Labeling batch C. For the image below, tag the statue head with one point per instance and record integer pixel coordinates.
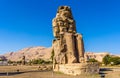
(64, 11)
(64, 8)
(63, 22)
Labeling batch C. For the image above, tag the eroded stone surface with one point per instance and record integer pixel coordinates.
(68, 45)
(79, 68)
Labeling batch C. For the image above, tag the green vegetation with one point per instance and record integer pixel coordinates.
(11, 62)
(111, 60)
(92, 60)
(39, 61)
(34, 61)
(52, 55)
(19, 62)
(106, 59)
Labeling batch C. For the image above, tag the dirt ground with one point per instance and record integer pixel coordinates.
(33, 72)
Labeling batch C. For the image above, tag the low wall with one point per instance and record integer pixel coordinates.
(78, 68)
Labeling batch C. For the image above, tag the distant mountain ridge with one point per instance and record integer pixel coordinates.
(30, 53)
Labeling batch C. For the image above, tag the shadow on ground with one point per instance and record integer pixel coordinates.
(102, 71)
(10, 73)
(17, 72)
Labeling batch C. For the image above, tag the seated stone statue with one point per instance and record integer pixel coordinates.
(67, 45)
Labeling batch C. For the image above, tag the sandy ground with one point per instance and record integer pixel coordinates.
(33, 72)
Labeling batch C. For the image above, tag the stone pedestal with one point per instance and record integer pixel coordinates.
(78, 68)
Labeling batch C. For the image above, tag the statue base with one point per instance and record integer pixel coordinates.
(77, 68)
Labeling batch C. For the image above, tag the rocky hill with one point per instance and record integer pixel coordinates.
(30, 53)
(44, 53)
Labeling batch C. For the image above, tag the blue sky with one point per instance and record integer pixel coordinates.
(26, 23)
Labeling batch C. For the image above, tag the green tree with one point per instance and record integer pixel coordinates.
(19, 62)
(10, 62)
(92, 60)
(115, 60)
(106, 59)
(39, 61)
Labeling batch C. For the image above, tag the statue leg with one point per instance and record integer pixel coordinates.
(80, 46)
(70, 43)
